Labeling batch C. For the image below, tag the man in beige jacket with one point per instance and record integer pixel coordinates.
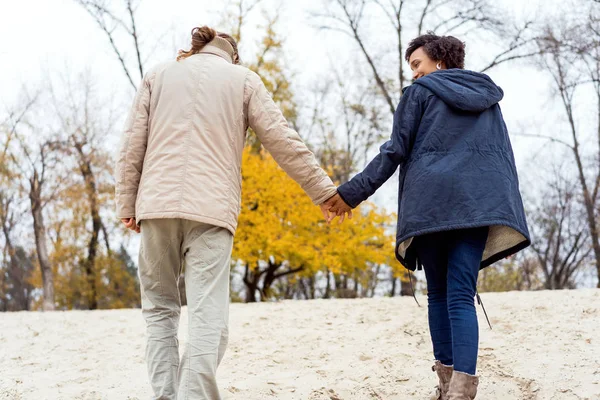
(179, 182)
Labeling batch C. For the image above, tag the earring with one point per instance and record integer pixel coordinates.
(439, 66)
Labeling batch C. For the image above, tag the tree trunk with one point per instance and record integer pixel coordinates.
(39, 230)
(596, 245)
(16, 270)
(587, 199)
(405, 287)
(85, 167)
(393, 279)
(19, 273)
(3, 289)
(328, 285)
(356, 283)
(374, 281)
(251, 294)
(290, 290)
(3, 299)
(338, 283)
(251, 288)
(303, 288)
(271, 276)
(251, 281)
(90, 272)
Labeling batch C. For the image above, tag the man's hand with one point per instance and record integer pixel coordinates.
(130, 224)
(325, 210)
(335, 206)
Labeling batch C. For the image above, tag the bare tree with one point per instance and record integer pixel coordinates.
(446, 17)
(571, 56)
(236, 15)
(30, 164)
(84, 128)
(561, 239)
(110, 22)
(348, 122)
(39, 160)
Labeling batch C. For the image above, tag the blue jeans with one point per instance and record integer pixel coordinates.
(451, 262)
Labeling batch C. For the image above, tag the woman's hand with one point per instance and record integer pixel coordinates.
(325, 210)
(335, 206)
(130, 224)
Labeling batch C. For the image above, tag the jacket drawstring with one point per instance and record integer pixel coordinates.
(483, 308)
(420, 266)
(412, 287)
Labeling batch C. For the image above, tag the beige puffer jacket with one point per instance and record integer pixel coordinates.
(181, 151)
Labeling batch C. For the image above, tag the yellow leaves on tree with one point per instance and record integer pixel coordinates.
(282, 230)
(69, 229)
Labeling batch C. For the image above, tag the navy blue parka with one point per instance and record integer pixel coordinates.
(457, 168)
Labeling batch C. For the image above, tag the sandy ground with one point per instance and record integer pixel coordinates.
(544, 345)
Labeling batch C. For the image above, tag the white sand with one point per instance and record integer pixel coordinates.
(544, 345)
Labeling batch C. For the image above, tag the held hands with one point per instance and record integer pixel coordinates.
(335, 207)
(130, 224)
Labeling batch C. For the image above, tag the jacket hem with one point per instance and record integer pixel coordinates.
(450, 227)
(189, 216)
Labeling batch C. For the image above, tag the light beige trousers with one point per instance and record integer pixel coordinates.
(205, 250)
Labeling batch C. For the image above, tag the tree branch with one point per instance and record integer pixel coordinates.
(422, 19)
(98, 18)
(135, 38)
(354, 27)
(288, 272)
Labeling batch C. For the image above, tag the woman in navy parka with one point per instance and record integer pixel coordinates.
(459, 207)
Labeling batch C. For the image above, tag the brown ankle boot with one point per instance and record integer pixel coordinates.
(444, 374)
(462, 386)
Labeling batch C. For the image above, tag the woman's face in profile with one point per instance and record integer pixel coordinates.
(421, 64)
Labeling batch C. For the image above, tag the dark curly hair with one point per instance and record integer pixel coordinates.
(448, 49)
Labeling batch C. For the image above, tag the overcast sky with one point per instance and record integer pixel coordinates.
(42, 38)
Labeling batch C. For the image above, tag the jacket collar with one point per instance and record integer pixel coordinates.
(219, 47)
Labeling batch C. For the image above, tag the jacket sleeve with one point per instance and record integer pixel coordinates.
(283, 143)
(131, 154)
(391, 154)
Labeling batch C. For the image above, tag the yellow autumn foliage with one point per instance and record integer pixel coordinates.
(278, 221)
(68, 228)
